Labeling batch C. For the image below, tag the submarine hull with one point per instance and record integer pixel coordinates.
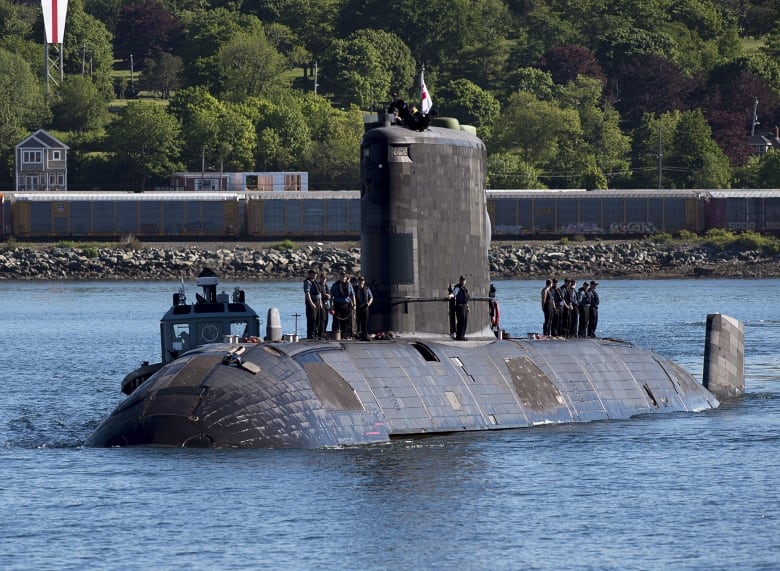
(322, 394)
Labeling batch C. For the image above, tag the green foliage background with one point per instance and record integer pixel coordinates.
(575, 93)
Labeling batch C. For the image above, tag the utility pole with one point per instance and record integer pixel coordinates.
(755, 118)
(132, 85)
(660, 158)
(315, 78)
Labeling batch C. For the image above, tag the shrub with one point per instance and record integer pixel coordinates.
(688, 236)
(283, 245)
(661, 237)
(564, 240)
(91, 252)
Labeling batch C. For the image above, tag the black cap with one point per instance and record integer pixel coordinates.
(594, 282)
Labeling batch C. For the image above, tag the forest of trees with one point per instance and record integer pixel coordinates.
(565, 93)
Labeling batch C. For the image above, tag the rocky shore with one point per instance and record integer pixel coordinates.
(241, 261)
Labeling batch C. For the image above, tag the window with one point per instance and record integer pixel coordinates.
(56, 155)
(206, 184)
(32, 157)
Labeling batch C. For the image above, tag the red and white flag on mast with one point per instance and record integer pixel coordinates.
(54, 13)
(425, 97)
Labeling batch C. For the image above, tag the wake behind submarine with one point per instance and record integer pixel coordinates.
(424, 220)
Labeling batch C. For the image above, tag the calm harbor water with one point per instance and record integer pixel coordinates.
(685, 491)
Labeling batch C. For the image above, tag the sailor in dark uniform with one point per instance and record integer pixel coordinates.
(575, 308)
(594, 309)
(460, 294)
(313, 298)
(557, 320)
(548, 308)
(583, 299)
(363, 300)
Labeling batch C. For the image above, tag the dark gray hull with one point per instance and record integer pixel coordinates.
(318, 394)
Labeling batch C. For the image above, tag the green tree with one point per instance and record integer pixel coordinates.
(701, 162)
(214, 132)
(600, 126)
(145, 143)
(87, 48)
(283, 138)
(162, 75)
(206, 31)
(594, 179)
(652, 137)
(336, 136)
(768, 171)
(17, 31)
(366, 67)
(249, 65)
(470, 104)
(22, 108)
(236, 140)
(81, 107)
(545, 135)
(509, 170)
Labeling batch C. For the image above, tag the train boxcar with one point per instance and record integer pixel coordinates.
(736, 210)
(525, 213)
(314, 214)
(112, 215)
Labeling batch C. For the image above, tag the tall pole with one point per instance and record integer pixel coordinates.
(660, 158)
(132, 85)
(315, 78)
(755, 118)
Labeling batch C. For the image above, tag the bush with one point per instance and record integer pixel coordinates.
(719, 238)
(661, 237)
(748, 240)
(284, 245)
(91, 252)
(688, 236)
(564, 240)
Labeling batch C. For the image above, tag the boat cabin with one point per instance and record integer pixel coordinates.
(213, 318)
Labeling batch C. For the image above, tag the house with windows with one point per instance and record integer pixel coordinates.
(241, 181)
(41, 163)
(765, 142)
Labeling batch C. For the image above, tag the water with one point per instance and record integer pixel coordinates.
(684, 491)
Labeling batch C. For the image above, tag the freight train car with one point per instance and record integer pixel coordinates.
(113, 215)
(320, 214)
(539, 213)
(738, 210)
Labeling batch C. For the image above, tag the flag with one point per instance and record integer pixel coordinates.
(425, 97)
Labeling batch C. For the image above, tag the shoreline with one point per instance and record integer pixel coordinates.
(623, 259)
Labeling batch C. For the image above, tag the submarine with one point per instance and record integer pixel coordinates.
(423, 221)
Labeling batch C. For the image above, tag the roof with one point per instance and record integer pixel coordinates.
(41, 139)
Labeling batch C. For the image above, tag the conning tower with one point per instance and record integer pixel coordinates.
(424, 223)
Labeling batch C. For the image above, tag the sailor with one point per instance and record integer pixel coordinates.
(566, 313)
(548, 308)
(325, 309)
(399, 110)
(363, 300)
(460, 294)
(557, 320)
(594, 309)
(575, 308)
(342, 297)
(313, 299)
(583, 300)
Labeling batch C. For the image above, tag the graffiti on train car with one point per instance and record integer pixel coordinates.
(195, 227)
(636, 227)
(581, 228)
